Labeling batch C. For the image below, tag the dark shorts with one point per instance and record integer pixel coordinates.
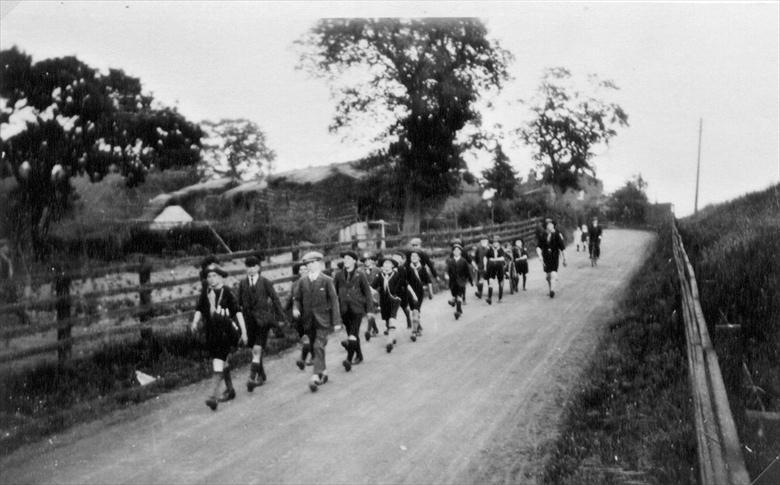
(457, 290)
(550, 260)
(389, 309)
(495, 269)
(221, 338)
(257, 334)
(595, 249)
(521, 267)
(584, 238)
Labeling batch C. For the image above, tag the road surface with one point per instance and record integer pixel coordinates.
(472, 401)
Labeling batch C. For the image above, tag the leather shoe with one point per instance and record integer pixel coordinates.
(345, 344)
(368, 336)
(300, 364)
(357, 361)
(228, 395)
(389, 348)
(347, 365)
(212, 403)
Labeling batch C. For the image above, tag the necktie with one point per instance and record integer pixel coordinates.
(252, 281)
(387, 286)
(212, 301)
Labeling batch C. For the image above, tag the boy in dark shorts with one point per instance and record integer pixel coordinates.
(217, 307)
(262, 309)
(390, 284)
(418, 280)
(459, 273)
(520, 261)
(550, 249)
(355, 301)
(495, 261)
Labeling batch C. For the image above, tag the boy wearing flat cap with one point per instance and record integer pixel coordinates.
(371, 271)
(355, 301)
(459, 273)
(262, 309)
(217, 307)
(316, 303)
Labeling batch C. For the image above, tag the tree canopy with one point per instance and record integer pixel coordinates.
(62, 117)
(567, 124)
(235, 148)
(501, 177)
(421, 77)
(628, 204)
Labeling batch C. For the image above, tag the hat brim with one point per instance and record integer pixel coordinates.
(351, 254)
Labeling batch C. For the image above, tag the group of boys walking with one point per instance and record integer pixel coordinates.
(321, 303)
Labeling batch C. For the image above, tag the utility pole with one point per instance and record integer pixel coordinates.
(698, 167)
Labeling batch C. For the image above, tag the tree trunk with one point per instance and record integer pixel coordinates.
(412, 214)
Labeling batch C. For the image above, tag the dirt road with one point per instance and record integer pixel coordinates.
(472, 401)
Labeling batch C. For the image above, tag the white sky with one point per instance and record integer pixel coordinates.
(674, 63)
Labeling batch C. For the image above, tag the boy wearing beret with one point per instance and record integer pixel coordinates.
(316, 303)
(262, 309)
(217, 307)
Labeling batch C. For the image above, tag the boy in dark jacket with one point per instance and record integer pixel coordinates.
(459, 274)
(355, 301)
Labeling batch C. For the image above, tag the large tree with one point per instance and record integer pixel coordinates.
(502, 176)
(421, 78)
(236, 149)
(568, 124)
(628, 204)
(60, 117)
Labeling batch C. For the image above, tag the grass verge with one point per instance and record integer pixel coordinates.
(631, 419)
(47, 399)
(735, 250)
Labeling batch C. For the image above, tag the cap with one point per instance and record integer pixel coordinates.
(391, 259)
(312, 256)
(349, 253)
(215, 268)
(252, 261)
(415, 241)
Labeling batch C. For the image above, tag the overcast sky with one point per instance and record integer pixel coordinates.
(675, 63)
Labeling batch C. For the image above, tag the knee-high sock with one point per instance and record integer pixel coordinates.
(500, 289)
(523, 281)
(228, 378)
(216, 382)
(490, 292)
(480, 285)
(458, 307)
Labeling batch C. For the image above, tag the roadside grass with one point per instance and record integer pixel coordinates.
(735, 250)
(48, 399)
(631, 419)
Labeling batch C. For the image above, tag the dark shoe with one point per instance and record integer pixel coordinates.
(552, 294)
(313, 386)
(357, 361)
(414, 337)
(368, 336)
(345, 344)
(457, 315)
(389, 348)
(489, 301)
(228, 395)
(323, 378)
(347, 365)
(300, 364)
(252, 383)
(385, 332)
(451, 302)
(478, 294)
(212, 403)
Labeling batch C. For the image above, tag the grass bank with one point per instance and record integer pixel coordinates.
(47, 399)
(735, 251)
(631, 418)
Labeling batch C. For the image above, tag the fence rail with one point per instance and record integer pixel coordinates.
(719, 452)
(147, 314)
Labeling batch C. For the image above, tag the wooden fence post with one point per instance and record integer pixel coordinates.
(63, 307)
(145, 298)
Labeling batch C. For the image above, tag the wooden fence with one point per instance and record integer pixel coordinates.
(720, 455)
(161, 315)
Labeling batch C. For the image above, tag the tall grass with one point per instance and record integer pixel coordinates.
(631, 418)
(48, 398)
(735, 250)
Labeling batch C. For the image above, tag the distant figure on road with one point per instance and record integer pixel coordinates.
(217, 307)
(418, 279)
(583, 239)
(355, 301)
(315, 301)
(594, 245)
(520, 261)
(550, 249)
(371, 271)
(459, 273)
(480, 260)
(262, 309)
(495, 261)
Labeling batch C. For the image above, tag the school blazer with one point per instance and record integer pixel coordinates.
(260, 304)
(317, 301)
(354, 293)
(459, 272)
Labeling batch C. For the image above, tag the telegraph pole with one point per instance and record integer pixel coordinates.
(698, 167)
